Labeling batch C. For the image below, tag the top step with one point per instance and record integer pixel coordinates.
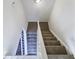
(44, 25)
(32, 27)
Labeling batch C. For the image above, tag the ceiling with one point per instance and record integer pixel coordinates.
(39, 11)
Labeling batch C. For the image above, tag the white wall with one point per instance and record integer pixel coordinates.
(14, 21)
(62, 21)
(35, 12)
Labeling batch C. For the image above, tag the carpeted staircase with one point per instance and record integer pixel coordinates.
(32, 38)
(52, 45)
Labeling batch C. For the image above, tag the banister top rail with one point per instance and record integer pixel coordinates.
(41, 43)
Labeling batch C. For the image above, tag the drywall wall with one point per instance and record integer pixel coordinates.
(13, 22)
(40, 11)
(62, 23)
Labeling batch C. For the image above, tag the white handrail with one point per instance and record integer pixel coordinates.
(41, 47)
(41, 51)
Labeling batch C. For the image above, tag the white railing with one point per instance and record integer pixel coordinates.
(41, 51)
(41, 47)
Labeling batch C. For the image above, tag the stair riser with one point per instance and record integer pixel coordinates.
(53, 39)
(52, 43)
(47, 35)
(31, 37)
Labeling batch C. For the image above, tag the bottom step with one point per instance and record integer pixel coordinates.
(56, 50)
(60, 57)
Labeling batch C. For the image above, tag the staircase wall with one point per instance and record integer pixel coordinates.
(14, 21)
(62, 21)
